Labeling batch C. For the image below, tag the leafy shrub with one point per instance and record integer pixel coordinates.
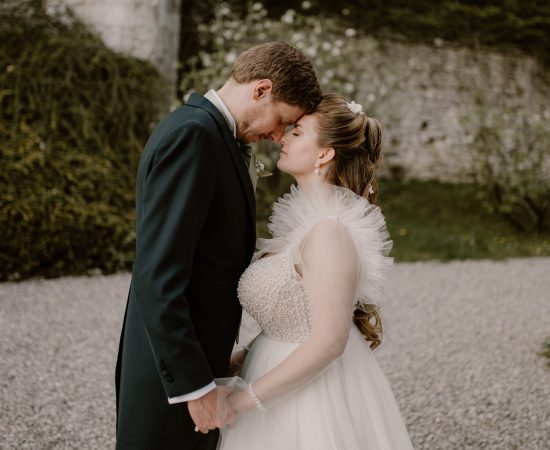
(330, 46)
(502, 24)
(74, 116)
(512, 168)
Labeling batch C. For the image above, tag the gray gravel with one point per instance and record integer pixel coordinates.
(461, 352)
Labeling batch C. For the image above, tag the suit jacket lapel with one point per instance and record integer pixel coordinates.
(234, 150)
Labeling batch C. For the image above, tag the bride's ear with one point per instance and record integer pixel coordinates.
(327, 155)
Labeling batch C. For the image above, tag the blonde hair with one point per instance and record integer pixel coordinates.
(356, 140)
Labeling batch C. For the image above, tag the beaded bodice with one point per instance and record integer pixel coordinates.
(272, 292)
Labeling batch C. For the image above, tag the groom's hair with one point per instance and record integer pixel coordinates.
(292, 74)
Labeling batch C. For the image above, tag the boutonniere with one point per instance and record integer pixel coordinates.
(260, 169)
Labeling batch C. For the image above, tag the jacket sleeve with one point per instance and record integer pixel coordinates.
(178, 192)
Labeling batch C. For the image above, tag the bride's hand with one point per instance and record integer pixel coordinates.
(241, 401)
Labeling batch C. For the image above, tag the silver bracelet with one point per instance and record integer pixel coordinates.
(256, 399)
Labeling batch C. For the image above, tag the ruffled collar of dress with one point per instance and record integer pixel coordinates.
(298, 211)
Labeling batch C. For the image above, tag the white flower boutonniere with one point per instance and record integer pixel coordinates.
(260, 169)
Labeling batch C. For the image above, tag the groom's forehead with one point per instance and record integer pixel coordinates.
(290, 114)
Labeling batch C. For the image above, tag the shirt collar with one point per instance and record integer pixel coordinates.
(216, 100)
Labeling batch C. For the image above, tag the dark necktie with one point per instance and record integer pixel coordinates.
(246, 150)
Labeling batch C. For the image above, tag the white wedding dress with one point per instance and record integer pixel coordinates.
(317, 399)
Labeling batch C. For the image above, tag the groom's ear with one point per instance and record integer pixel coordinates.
(262, 89)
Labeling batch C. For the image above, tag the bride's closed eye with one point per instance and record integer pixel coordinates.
(296, 130)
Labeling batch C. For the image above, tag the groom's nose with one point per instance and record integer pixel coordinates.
(277, 134)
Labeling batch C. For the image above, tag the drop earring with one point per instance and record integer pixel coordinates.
(317, 168)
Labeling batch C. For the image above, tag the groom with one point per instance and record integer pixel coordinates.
(195, 221)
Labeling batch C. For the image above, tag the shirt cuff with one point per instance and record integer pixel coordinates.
(193, 395)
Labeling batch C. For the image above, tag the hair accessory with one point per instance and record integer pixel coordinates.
(256, 399)
(371, 190)
(356, 108)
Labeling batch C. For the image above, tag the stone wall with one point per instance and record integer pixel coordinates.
(430, 100)
(147, 29)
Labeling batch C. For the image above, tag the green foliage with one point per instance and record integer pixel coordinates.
(74, 116)
(431, 220)
(512, 168)
(545, 353)
(523, 25)
(328, 45)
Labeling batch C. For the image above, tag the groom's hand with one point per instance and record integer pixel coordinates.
(212, 410)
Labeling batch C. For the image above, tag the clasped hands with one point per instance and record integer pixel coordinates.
(212, 410)
(220, 407)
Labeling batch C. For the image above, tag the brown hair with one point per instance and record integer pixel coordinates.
(293, 76)
(356, 140)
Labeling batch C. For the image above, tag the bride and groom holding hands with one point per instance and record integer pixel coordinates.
(309, 380)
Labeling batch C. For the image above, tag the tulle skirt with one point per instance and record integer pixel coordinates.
(349, 406)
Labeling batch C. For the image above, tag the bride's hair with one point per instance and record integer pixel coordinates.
(356, 140)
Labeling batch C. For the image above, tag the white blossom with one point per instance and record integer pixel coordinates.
(206, 60)
(311, 51)
(230, 57)
(297, 37)
(288, 17)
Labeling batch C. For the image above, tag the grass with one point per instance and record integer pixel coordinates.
(545, 353)
(428, 220)
(431, 220)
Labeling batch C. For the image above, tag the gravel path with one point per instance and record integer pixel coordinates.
(460, 350)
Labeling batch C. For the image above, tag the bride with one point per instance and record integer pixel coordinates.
(312, 381)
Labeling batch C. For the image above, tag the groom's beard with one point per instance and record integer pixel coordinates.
(246, 131)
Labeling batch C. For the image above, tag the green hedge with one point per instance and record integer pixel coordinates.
(521, 24)
(74, 116)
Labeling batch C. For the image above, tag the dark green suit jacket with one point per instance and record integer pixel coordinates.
(195, 224)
